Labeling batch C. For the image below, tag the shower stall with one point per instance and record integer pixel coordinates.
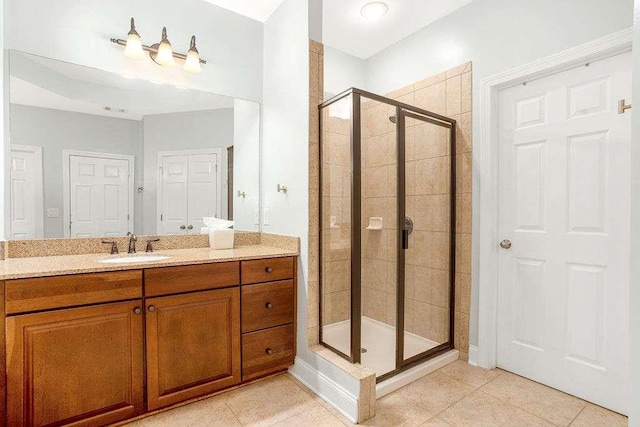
(387, 241)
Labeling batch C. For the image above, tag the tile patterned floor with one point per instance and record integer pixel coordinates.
(456, 395)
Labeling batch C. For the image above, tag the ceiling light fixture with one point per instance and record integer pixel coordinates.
(161, 53)
(374, 11)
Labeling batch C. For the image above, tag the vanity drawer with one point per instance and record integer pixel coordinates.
(266, 305)
(267, 351)
(188, 278)
(45, 293)
(267, 270)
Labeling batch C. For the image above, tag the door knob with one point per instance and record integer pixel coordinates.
(182, 227)
(505, 244)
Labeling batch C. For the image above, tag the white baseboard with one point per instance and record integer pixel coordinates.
(473, 355)
(326, 388)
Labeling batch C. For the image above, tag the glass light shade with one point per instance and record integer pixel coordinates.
(165, 54)
(133, 49)
(192, 63)
(374, 11)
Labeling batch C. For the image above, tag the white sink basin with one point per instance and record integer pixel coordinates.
(133, 259)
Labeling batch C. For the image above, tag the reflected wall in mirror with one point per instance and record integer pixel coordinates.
(97, 154)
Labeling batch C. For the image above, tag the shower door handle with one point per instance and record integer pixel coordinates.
(405, 239)
(406, 230)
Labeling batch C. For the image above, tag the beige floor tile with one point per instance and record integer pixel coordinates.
(472, 375)
(396, 410)
(481, 409)
(596, 416)
(545, 402)
(269, 401)
(435, 422)
(208, 412)
(435, 392)
(315, 416)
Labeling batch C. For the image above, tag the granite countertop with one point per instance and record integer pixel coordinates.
(20, 268)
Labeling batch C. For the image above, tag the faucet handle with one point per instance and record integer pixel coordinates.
(114, 246)
(149, 246)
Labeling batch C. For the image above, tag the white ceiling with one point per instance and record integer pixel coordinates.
(260, 10)
(345, 29)
(46, 83)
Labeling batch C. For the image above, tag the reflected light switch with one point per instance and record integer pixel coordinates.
(53, 212)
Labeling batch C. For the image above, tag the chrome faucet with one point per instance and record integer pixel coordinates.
(132, 242)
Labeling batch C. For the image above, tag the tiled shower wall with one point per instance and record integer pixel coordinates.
(428, 201)
(316, 68)
(447, 93)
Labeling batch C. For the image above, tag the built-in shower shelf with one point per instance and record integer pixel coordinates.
(375, 223)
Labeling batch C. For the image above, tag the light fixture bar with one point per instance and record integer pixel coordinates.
(154, 50)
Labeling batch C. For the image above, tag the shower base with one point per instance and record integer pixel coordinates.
(379, 340)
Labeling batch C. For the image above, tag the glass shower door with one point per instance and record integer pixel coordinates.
(427, 238)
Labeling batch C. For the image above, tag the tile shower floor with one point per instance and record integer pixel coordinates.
(379, 340)
(457, 395)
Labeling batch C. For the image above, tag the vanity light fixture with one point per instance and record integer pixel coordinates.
(161, 53)
(133, 48)
(374, 11)
(165, 51)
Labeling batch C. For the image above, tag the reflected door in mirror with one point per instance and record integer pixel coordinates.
(190, 190)
(99, 197)
(26, 192)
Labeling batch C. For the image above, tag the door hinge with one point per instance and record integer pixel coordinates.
(161, 216)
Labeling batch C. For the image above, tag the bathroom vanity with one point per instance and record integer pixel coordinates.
(118, 341)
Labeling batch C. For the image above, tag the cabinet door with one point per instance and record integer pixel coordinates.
(193, 345)
(81, 366)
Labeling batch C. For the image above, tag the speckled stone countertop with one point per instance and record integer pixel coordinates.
(20, 268)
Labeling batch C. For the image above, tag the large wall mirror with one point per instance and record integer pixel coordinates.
(97, 154)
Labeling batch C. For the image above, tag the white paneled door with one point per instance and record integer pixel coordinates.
(189, 190)
(26, 192)
(99, 196)
(564, 211)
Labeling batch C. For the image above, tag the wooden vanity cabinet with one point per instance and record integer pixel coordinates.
(193, 345)
(99, 348)
(81, 366)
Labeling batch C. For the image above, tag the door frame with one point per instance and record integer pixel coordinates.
(39, 186)
(66, 183)
(161, 154)
(486, 177)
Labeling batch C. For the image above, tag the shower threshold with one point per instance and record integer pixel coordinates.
(380, 341)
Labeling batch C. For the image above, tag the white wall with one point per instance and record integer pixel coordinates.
(182, 131)
(342, 71)
(285, 160)
(496, 35)
(246, 163)
(56, 130)
(634, 306)
(79, 32)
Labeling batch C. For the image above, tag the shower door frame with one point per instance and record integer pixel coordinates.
(402, 112)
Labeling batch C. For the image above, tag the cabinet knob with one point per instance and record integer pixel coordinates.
(152, 308)
(268, 305)
(269, 270)
(137, 310)
(183, 227)
(269, 351)
(190, 227)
